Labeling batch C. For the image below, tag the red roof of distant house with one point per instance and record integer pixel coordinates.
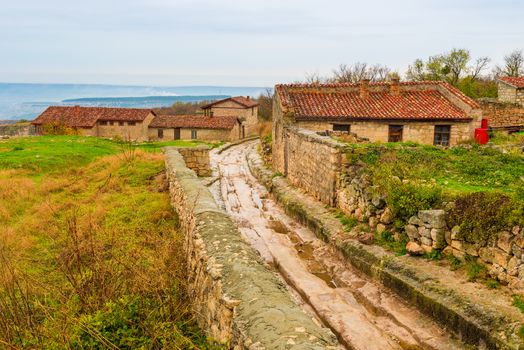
(246, 102)
(416, 101)
(517, 82)
(86, 117)
(193, 122)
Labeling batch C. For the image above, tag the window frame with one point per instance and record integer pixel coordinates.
(347, 128)
(395, 135)
(438, 139)
(194, 134)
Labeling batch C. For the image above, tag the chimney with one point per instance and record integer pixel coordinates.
(364, 88)
(394, 86)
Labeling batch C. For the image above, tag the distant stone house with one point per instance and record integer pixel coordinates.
(506, 113)
(511, 90)
(424, 112)
(194, 127)
(244, 108)
(125, 123)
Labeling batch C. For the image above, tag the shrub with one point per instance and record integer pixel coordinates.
(406, 198)
(480, 216)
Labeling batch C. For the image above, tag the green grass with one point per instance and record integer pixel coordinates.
(43, 154)
(348, 222)
(518, 302)
(89, 247)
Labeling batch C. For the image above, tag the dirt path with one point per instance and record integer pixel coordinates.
(361, 313)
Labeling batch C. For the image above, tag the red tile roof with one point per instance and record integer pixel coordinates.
(86, 117)
(416, 101)
(246, 102)
(517, 82)
(193, 122)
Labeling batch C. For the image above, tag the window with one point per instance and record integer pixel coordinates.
(342, 127)
(131, 123)
(103, 122)
(160, 133)
(193, 134)
(395, 133)
(110, 123)
(210, 113)
(442, 133)
(121, 123)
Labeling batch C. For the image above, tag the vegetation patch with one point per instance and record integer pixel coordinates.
(89, 254)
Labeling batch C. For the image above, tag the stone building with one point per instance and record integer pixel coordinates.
(506, 113)
(511, 90)
(423, 112)
(195, 127)
(126, 123)
(244, 108)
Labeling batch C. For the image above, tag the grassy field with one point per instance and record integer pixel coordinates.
(89, 254)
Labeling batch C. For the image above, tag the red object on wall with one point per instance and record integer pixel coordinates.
(481, 136)
(484, 123)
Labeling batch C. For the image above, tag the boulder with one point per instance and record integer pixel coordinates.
(367, 239)
(373, 222)
(424, 232)
(504, 241)
(414, 220)
(378, 201)
(414, 249)
(513, 265)
(438, 237)
(501, 258)
(426, 241)
(435, 217)
(412, 232)
(386, 217)
(486, 254)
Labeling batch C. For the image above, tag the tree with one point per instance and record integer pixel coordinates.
(513, 65)
(265, 102)
(358, 71)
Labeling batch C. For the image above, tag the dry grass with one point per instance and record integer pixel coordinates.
(89, 258)
(264, 129)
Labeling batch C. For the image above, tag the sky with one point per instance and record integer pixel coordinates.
(240, 43)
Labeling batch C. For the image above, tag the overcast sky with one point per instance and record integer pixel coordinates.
(239, 43)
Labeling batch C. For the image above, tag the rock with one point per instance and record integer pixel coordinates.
(373, 221)
(486, 254)
(455, 231)
(521, 272)
(457, 245)
(447, 237)
(504, 241)
(449, 206)
(426, 241)
(503, 277)
(428, 249)
(513, 265)
(471, 248)
(378, 201)
(459, 254)
(414, 220)
(516, 250)
(424, 232)
(501, 258)
(435, 217)
(367, 239)
(519, 240)
(447, 251)
(412, 232)
(358, 214)
(386, 217)
(495, 270)
(515, 230)
(414, 249)
(381, 228)
(437, 235)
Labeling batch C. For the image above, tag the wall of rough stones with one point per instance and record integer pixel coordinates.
(510, 94)
(236, 299)
(17, 130)
(503, 115)
(197, 159)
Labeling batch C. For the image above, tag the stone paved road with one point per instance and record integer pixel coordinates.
(361, 313)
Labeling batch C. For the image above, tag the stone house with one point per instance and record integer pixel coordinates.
(195, 127)
(424, 112)
(244, 108)
(126, 123)
(511, 90)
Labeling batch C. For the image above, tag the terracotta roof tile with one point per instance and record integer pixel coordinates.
(241, 100)
(343, 101)
(193, 121)
(517, 82)
(86, 117)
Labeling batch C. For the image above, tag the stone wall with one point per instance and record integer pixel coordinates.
(503, 115)
(136, 132)
(313, 163)
(235, 298)
(17, 130)
(230, 108)
(210, 135)
(197, 159)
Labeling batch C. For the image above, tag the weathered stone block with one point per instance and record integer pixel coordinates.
(426, 241)
(414, 220)
(501, 258)
(435, 217)
(386, 217)
(437, 235)
(412, 232)
(504, 241)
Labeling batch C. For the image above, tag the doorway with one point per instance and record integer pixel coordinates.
(176, 135)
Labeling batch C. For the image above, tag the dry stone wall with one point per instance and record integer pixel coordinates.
(197, 159)
(503, 115)
(235, 298)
